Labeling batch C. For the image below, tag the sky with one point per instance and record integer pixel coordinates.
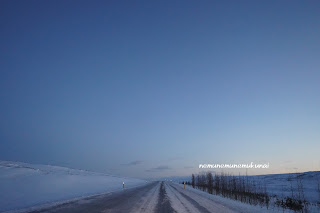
(154, 88)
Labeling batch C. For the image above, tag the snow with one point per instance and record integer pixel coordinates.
(280, 184)
(149, 202)
(25, 185)
(178, 202)
(216, 203)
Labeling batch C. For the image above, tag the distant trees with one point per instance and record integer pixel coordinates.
(193, 181)
(234, 187)
(210, 182)
(250, 190)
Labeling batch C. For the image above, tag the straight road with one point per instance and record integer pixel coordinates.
(158, 197)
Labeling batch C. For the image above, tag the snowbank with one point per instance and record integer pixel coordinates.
(24, 185)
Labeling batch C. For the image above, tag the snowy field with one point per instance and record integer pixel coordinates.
(25, 185)
(284, 185)
(233, 205)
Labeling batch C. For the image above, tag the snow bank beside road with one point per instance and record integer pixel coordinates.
(24, 185)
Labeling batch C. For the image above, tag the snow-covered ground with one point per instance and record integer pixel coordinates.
(25, 185)
(280, 184)
(211, 202)
(223, 204)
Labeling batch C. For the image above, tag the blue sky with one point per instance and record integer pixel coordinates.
(153, 88)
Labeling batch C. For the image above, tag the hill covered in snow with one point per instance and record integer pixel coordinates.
(286, 185)
(25, 185)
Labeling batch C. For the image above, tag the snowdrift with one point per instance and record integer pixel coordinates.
(25, 185)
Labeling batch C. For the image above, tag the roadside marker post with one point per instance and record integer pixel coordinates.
(123, 185)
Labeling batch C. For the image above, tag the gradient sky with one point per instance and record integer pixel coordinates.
(153, 88)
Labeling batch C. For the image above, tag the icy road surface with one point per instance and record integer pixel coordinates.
(153, 197)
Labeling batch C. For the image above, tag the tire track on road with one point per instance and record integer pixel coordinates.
(164, 205)
(192, 201)
(147, 206)
(177, 205)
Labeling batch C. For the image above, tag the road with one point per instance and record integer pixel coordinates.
(157, 197)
